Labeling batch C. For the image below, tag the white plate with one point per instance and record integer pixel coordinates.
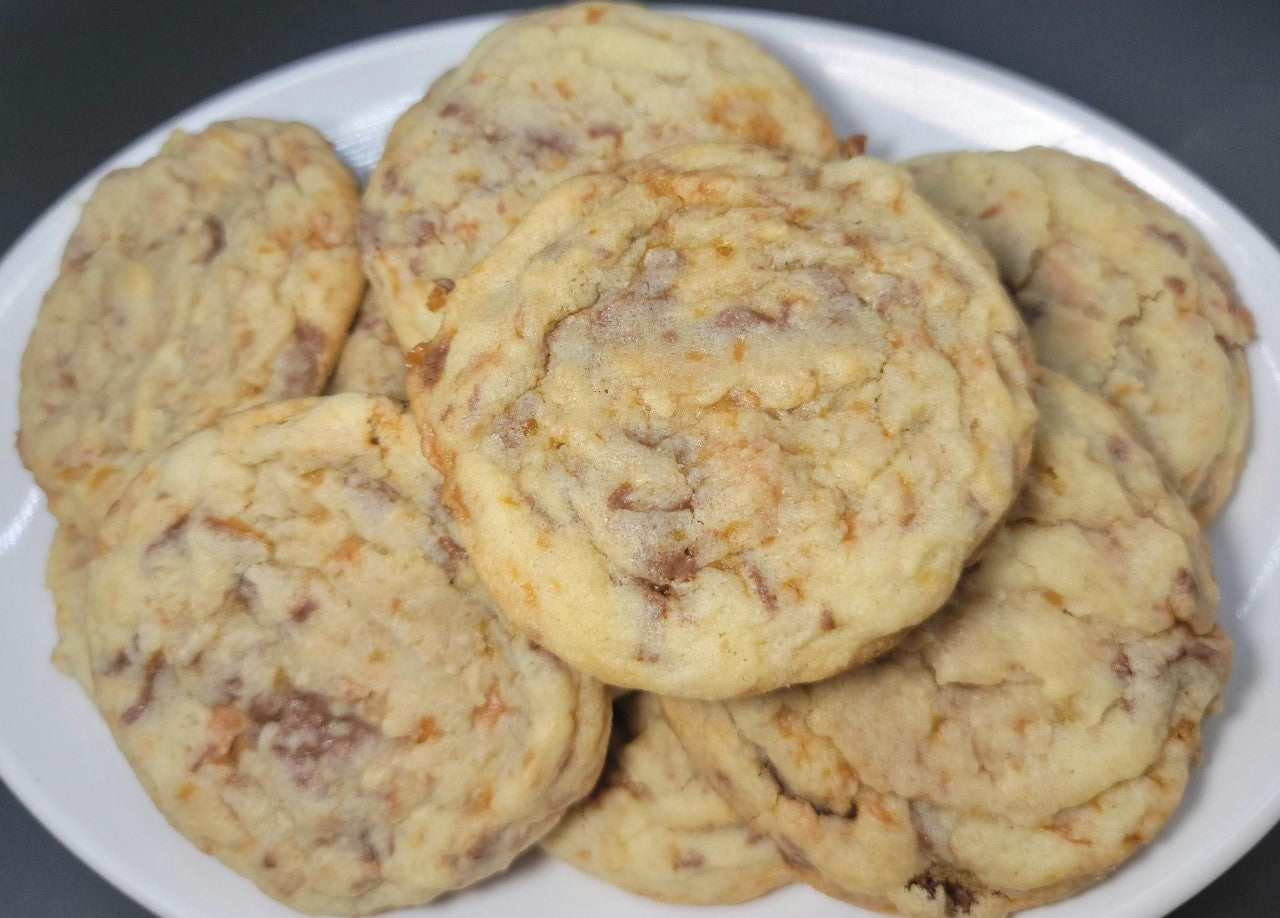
(57, 755)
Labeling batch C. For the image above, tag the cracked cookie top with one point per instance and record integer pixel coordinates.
(655, 827)
(729, 420)
(545, 97)
(219, 274)
(296, 658)
(1025, 740)
(1120, 294)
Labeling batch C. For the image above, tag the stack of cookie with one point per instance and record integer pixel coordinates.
(707, 414)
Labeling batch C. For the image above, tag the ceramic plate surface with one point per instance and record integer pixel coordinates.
(57, 755)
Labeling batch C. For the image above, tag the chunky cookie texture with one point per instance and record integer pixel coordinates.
(729, 420)
(1030, 737)
(655, 827)
(295, 655)
(371, 360)
(220, 274)
(1122, 295)
(546, 97)
(66, 575)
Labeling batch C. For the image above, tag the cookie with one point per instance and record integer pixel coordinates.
(66, 575)
(371, 360)
(221, 273)
(1120, 294)
(547, 96)
(297, 660)
(654, 827)
(1032, 735)
(728, 420)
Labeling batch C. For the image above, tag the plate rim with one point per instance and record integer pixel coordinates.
(1250, 240)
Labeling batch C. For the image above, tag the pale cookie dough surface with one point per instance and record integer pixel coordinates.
(731, 420)
(1120, 294)
(66, 576)
(1032, 735)
(655, 827)
(545, 97)
(371, 359)
(219, 274)
(297, 660)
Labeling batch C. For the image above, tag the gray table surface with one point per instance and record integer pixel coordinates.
(80, 80)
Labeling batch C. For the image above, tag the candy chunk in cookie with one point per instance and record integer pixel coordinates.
(1120, 294)
(655, 827)
(1027, 739)
(547, 96)
(221, 273)
(728, 420)
(294, 654)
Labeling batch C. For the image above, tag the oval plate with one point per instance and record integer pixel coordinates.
(57, 755)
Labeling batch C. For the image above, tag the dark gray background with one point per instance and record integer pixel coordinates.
(79, 80)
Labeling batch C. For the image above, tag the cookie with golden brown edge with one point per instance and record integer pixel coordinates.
(654, 827)
(1120, 294)
(728, 420)
(547, 96)
(219, 274)
(299, 663)
(66, 575)
(371, 360)
(1027, 739)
